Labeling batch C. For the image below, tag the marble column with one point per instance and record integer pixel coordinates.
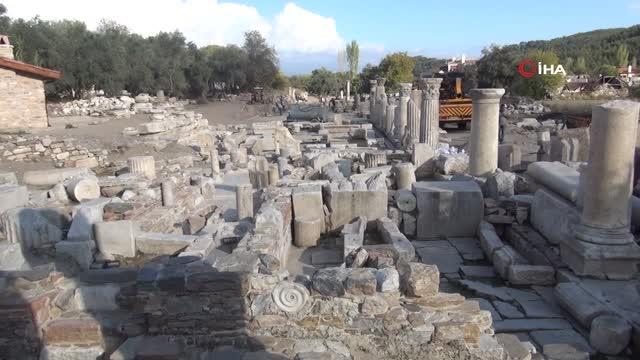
(244, 201)
(483, 147)
(430, 113)
(373, 84)
(603, 246)
(389, 123)
(413, 122)
(405, 175)
(145, 165)
(375, 159)
(348, 90)
(168, 196)
(400, 120)
(381, 99)
(215, 163)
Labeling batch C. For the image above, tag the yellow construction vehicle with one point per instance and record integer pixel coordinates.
(455, 107)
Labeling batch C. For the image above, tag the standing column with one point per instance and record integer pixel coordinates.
(430, 113)
(381, 100)
(348, 90)
(372, 100)
(244, 201)
(168, 197)
(215, 163)
(483, 147)
(401, 111)
(603, 246)
(391, 114)
(413, 123)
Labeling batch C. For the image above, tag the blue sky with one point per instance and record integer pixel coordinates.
(307, 34)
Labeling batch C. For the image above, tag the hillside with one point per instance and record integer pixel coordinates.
(597, 47)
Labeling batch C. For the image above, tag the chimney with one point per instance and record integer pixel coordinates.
(6, 50)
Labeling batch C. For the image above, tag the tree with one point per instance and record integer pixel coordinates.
(608, 70)
(228, 66)
(353, 58)
(197, 73)
(323, 82)
(622, 55)
(279, 81)
(496, 67)
(580, 67)
(369, 72)
(300, 81)
(397, 68)
(262, 60)
(540, 86)
(427, 67)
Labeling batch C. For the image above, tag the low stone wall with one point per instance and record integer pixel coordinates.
(63, 152)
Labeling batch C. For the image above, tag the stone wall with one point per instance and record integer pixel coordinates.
(22, 101)
(63, 152)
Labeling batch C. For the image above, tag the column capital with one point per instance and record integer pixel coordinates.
(486, 95)
(431, 89)
(381, 81)
(373, 82)
(405, 89)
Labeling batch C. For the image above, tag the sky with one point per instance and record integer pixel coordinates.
(308, 34)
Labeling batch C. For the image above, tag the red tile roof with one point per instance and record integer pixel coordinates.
(35, 71)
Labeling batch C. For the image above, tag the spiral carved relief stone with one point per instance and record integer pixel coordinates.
(290, 296)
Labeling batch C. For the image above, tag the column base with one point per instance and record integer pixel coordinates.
(602, 261)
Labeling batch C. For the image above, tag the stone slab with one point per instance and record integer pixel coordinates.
(448, 208)
(553, 216)
(568, 336)
(520, 325)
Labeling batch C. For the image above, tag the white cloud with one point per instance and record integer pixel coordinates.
(297, 29)
(205, 22)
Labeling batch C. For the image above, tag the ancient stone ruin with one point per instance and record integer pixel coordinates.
(346, 237)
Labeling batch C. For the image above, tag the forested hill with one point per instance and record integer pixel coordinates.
(598, 47)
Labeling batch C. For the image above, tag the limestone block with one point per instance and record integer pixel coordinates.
(244, 201)
(531, 275)
(13, 196)
(424, 159)
(116, 238)
(509, 156)
(450, 164)
(87, 214)
(83, 188)
(489, 239)
(361, 282)
(409, 224)
(97, 298)
(610, 334)
(448, 208)
(346, 205)
(307, 203)
(504, 258)
(353, 235)
(501, 184)
(329, 281)
(388, 279)
(71, 352)
(33, 228)
(418, 280)
(374, 305)
(79, 251)
(52, 177)
(306, 231)
(58, 193)
(161, 243)
(553, 216)
(390, 234)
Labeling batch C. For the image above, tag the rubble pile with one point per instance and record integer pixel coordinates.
(123, 106)
(63, 152)
(340, 240)
(524, 106)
